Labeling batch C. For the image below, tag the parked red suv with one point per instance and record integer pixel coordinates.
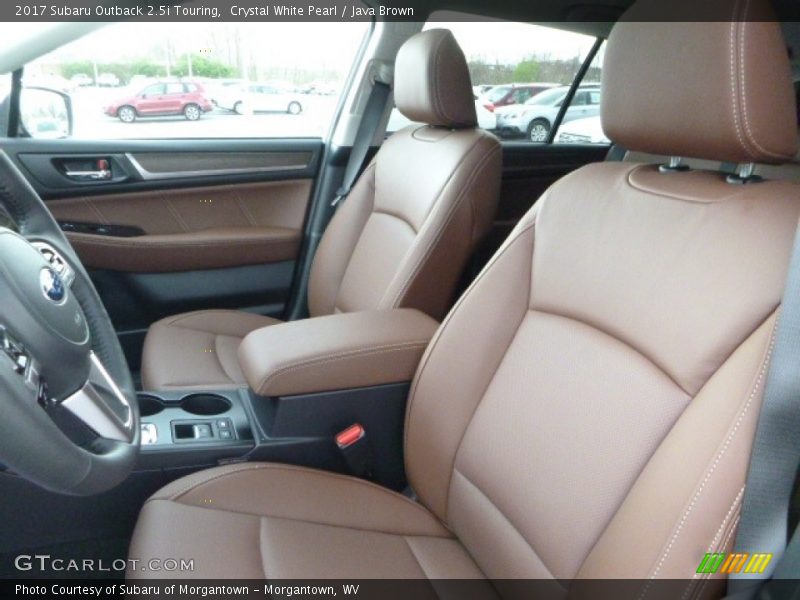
(513, 93)
(163, 98)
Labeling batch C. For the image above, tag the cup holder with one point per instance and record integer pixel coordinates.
(205, 405)
(149, 405)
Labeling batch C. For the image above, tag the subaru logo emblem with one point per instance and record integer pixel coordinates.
(52, 285)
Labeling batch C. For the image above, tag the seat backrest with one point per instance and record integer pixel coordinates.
(588, 406)
(409, 225)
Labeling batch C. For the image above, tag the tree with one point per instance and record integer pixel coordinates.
(528, 70)
(202, 67)
(483, 73)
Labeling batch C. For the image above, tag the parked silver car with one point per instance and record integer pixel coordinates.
(243, 98)
(534, 119)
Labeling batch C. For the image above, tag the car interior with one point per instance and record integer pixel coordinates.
(429, 354)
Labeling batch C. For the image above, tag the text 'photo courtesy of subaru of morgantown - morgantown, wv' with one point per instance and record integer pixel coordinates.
(421, 299)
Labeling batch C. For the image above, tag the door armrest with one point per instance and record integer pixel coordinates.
(334, 352)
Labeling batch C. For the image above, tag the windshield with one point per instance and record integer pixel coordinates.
(497, 93)
(548, 96)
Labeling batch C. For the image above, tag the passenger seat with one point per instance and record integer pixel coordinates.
(401, 239)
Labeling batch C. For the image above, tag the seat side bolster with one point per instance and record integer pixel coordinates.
(460, 220)
(672, 516)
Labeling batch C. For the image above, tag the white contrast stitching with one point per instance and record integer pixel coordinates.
(724, 544)
(715, 540)
(746, 117)
(734, 87)
(743, 412)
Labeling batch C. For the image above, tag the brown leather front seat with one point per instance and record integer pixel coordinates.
(587, 408)
(401, 239)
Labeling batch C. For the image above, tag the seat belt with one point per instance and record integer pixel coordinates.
(785, 582)
(764, 522)
(376, 104)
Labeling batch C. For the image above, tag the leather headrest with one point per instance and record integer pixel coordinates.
(432, 83)
(719, 90)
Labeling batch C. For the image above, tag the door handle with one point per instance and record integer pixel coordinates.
(101, 175)
(97, 169)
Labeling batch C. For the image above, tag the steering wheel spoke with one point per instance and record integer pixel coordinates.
(101, 405)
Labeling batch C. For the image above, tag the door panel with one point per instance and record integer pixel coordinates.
(160, 165)
(188, 229)
(163, 164)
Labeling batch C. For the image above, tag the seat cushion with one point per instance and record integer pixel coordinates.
(197, 349)
(271, 521)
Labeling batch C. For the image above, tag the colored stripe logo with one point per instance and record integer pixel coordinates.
(735, 562)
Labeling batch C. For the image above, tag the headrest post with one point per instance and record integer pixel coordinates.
(673, 165)
(745, 170)
(744, 174)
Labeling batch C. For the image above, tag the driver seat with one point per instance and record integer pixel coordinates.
(587, 408)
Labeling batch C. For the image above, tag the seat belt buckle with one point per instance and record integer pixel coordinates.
(356, 450)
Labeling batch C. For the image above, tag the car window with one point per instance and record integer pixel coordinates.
(153, 90)
(581, 124)
(580, 99)
(552, 97)
(520, 95)
(205, 66)
(496, 93)
(511, 65)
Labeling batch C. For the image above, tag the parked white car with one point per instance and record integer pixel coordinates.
(248, 98)
(81, 79)
(107, 80)
(534, 119)
(486, 120)
(582, 131)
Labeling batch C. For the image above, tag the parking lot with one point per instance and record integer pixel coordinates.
(91, 123)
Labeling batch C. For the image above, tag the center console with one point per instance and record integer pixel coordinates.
(308, 381)
(193, 428)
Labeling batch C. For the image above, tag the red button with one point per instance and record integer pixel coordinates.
(349, 436)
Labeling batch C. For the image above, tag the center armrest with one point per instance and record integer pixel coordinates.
(347, 350)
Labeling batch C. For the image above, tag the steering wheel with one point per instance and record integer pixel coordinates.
(69, 418)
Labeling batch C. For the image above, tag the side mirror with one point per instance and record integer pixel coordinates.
(45, 113)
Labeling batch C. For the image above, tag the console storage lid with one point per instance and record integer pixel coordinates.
(347, 350)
